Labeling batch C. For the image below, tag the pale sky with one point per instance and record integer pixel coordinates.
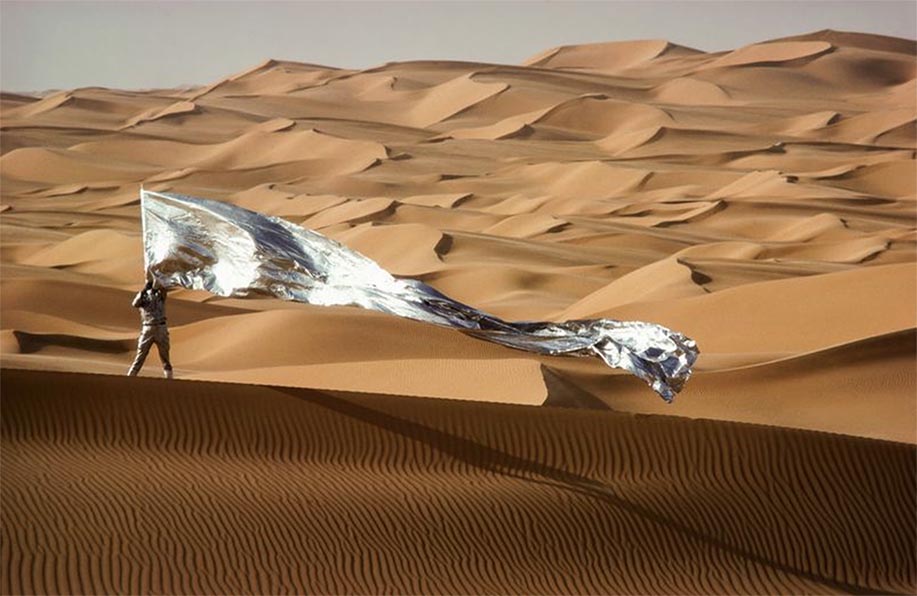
(129, 45)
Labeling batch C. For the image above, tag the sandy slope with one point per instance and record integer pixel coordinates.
(237, 489)
(761, 201)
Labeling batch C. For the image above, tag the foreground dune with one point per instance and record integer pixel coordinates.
(760, 200)
(211, 487)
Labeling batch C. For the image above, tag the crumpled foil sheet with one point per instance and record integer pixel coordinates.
(231, 251)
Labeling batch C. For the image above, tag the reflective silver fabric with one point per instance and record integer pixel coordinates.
(230, 251)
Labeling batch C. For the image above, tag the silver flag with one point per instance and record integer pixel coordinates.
(230, 251)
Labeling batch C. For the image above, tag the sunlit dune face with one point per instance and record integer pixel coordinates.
(760, 201)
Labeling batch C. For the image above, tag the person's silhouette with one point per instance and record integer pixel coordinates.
(151, 301)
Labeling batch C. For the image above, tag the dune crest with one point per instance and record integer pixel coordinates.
(609, 56)
(772, 53)
(176, 109)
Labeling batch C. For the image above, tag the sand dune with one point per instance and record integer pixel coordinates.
(485, 498)
(177, 108)
(610, 56)
(402, 249)
(685, 90)
(760, 200)
(250, 150)
(772, 53)
(595, 114)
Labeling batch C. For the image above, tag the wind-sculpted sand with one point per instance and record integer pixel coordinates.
(761, 201)
(224, 488)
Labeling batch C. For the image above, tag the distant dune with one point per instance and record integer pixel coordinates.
(760, 200)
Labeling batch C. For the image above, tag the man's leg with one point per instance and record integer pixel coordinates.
(144, 343)
(162, 343)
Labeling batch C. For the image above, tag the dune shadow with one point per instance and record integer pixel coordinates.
(29, 343)
(499, 462)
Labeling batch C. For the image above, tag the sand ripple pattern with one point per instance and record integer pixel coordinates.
(113, 485)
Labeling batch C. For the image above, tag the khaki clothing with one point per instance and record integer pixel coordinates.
(149, 335)
(152, 305)
(154, 330)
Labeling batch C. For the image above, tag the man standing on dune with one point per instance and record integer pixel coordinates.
(151, 301)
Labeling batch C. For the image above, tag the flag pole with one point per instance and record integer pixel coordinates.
(146, 263)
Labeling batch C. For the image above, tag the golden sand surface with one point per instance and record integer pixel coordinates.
(760, 201)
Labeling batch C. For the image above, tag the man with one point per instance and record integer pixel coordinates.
(152, 304)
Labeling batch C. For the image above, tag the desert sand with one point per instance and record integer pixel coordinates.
(761, 201)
